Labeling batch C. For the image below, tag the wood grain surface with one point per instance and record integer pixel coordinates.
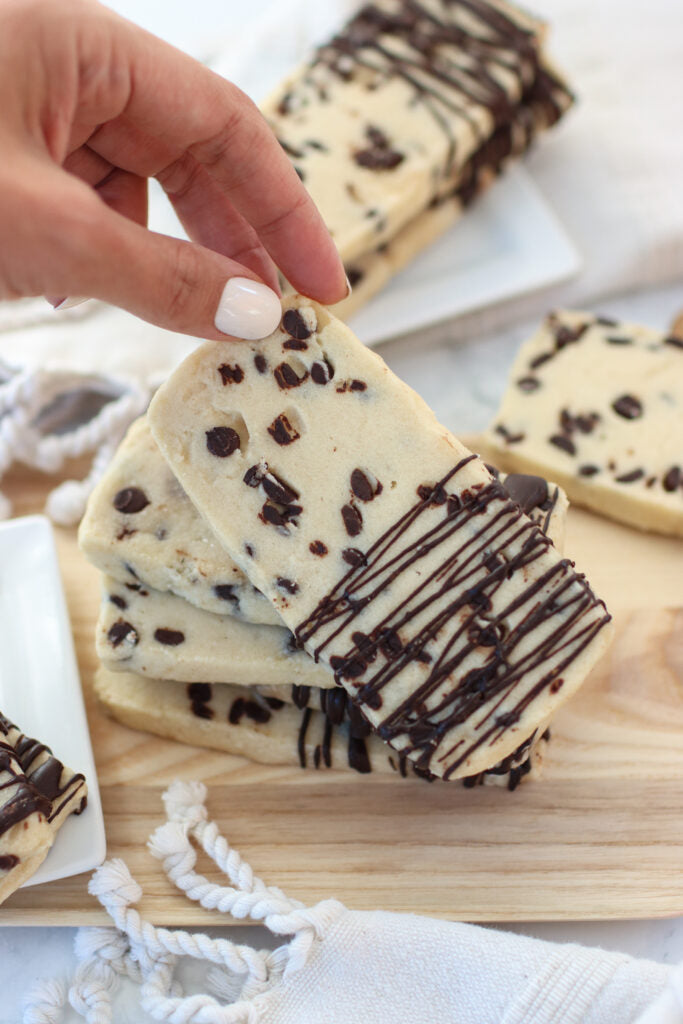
(601, 836)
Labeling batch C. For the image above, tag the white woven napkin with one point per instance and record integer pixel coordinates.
(335, 966)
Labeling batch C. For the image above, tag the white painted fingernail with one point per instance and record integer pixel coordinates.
(67, 303)
(248, 309)
(349, 288)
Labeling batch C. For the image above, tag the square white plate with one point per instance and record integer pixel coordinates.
(509, 242)
(40, 689)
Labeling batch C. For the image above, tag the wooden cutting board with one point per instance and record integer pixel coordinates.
(601, 836)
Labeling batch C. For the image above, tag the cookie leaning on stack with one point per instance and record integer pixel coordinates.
(403, 566)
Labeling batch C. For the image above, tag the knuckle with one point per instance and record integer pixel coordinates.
(180, 177)
(185, 284)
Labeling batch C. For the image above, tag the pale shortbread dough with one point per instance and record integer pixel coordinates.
(141, 526)
(598, 405)
(386, 546)
(162, 636)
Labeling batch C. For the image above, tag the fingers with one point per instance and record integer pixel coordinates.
(87, 248)
(184, 108)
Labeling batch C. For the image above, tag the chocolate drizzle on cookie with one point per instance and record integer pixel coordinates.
(481, 543)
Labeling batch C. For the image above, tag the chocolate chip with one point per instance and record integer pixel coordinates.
(271, 514)
(125, 532)
(560, 441)
(121, 602)
(249, 550)
(200, 692)
(250, 708)
(379, 159)
(295, 346)
(278, 490)
(629, 478)
(358, 385)
(231, 374)
(453, 505)
(363, 487)
(672, 478)
(354, 557)
(615, 340)
(236, 711)
(301, 696)
(528, 383)
(226, 592)
(289, 586)
(130, 500)
(566, 335)
(353, 520)
(556, 685)
(509, 437)
(390, 643)
(201, 710)
(434, 495)
(588, 470)
(121, 631)
(282, 431)
(586, 424)
(322, 373)
(295, 325)
(540, 360)
(316, 547)
(348, 668)
(260, 362)
(254, 475)
(526, 490)
(169, 637)
(354, 275)
(628, 406)
(605, 321)
(673, 340)
(274, 703)
(286, 376)
(8, 861)
(222, 441)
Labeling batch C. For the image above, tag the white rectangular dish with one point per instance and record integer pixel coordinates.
(40, 689)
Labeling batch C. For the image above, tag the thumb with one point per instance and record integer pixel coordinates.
(175, 284)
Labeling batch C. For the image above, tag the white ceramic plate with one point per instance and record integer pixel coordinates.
(509, 242)
(40, 688)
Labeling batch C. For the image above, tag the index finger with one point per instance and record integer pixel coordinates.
(187, 108)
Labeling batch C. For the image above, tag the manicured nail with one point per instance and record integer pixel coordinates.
(248, 309)
(67, 303)
(349, 289)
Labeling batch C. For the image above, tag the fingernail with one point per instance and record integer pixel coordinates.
(349, 289)
(67, 303)
(248, 309)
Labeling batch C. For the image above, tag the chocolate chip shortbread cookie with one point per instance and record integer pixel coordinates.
(271, 730)
(598, 405)
(140, 527)
(37, 793)
(386, 546)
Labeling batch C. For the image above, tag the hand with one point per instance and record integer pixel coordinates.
(91, 107)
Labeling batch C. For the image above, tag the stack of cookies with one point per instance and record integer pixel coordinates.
(405, 116)
(302, 566)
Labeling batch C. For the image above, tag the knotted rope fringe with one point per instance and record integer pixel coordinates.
(148, 955)
(26, 395)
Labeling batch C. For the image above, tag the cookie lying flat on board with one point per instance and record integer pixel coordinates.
(389, 112)
(160, 635)
(140, 525)
(37, 793)
(370, 271)
(598, 405)
(387, 547)
(271, 731)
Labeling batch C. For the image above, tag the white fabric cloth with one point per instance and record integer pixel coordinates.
(339, 966)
